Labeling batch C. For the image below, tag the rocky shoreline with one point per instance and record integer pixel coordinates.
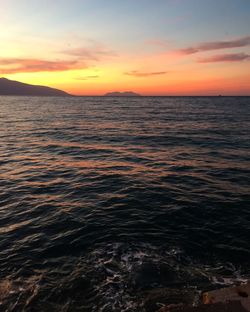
(230, 299)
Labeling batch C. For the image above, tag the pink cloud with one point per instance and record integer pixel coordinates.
(236, 57)
(144, 74)
(76, 58)
(217, 45)
(20, 65)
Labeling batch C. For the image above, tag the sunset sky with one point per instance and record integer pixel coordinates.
(160, 47)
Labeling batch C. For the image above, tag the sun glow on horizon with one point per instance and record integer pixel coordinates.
(88, 49)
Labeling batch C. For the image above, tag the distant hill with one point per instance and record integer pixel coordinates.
(10, 87)
(129, 93)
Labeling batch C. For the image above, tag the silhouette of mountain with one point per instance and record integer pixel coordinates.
(129, 93)
(10, 87)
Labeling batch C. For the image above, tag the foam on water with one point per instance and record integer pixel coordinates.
(115, 277)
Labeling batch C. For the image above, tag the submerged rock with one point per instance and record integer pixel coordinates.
(157, 298)
(150, 275)
(232, 306)
(230, 299)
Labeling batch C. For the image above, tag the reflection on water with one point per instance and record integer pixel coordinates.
(106, 200)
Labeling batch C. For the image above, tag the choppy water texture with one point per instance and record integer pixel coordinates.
(104, 201)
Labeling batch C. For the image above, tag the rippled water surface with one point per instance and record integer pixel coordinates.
(106, 200)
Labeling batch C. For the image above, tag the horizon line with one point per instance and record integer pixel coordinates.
(141, 96)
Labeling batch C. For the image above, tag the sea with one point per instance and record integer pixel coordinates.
(117, 204)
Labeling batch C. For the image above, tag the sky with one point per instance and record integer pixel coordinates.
(160, 47)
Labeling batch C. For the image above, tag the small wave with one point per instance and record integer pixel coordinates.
(109, 203)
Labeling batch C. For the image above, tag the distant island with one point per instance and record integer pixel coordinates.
(128, 93)
(10, 87)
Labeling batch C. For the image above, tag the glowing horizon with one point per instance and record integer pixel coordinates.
(169, 47)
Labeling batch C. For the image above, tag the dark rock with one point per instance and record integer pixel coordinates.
(128, 93)
(239, 293)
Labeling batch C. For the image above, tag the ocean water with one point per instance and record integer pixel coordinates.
(106, 201)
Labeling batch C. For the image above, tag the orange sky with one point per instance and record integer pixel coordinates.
(171, 48)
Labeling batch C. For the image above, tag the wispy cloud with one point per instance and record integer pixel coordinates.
(79, 57)
(95, 52)
(158, 43)
(217, 45)
(236, 57)
(25, 65)
(87, 77)
(144, 74)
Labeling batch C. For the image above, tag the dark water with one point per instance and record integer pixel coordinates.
(106, 199)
